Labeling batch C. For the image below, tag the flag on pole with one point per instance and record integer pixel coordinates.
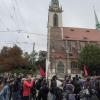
(85, 71)
(42, 73)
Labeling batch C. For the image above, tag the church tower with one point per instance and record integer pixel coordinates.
(55, 14)
(97, 21)
(54, 24)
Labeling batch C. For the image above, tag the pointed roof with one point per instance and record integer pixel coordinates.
(96, 20)
(54, 6)
(55, 2)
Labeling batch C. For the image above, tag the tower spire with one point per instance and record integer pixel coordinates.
(55, 2)
(97, 21)
(55, 6)
(55, 14)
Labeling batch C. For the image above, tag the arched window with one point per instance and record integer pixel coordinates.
(74, 64)
(55, 20)
(55, 1)
(60, 67)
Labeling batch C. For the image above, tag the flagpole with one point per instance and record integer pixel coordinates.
(46, 70)
(48, 55)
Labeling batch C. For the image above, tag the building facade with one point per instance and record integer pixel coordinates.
(65, 43)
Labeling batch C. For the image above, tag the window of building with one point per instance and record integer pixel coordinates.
(55, 1)
(74, 64)
(82, 44)
(55, 20)
(71, 45)
(60, 67)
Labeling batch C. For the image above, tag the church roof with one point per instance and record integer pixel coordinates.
(82, 34)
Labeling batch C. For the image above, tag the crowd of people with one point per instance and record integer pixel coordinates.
(28, 87)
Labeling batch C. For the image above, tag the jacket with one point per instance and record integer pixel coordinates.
(27, 88)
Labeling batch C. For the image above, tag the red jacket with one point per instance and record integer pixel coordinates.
(27, 88)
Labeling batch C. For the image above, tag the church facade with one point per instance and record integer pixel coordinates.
(65, 43)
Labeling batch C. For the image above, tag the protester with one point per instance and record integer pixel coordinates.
(97, 88)
(43, 92)
(1, 90)
(25, 87)
(27, 84)
(16, 95)
(4, 90)
(33, 90)
(78, 86)
(69, 90)
(53, 87)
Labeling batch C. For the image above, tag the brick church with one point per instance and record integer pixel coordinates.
(65, 43)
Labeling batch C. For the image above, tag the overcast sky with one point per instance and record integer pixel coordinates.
(31, 17)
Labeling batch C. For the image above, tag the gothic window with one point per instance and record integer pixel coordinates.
(55, 20)
(74, 64)
(55, 1)
(71, 45)
(60, 67)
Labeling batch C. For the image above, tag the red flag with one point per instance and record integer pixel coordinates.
(42, 73)
(85, 71)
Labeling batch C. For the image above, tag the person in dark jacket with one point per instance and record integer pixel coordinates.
(53, 87)
(33, 90)
(97, 84)
(16, 89)
(38, 83)
(77, 85)
(43, 92)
